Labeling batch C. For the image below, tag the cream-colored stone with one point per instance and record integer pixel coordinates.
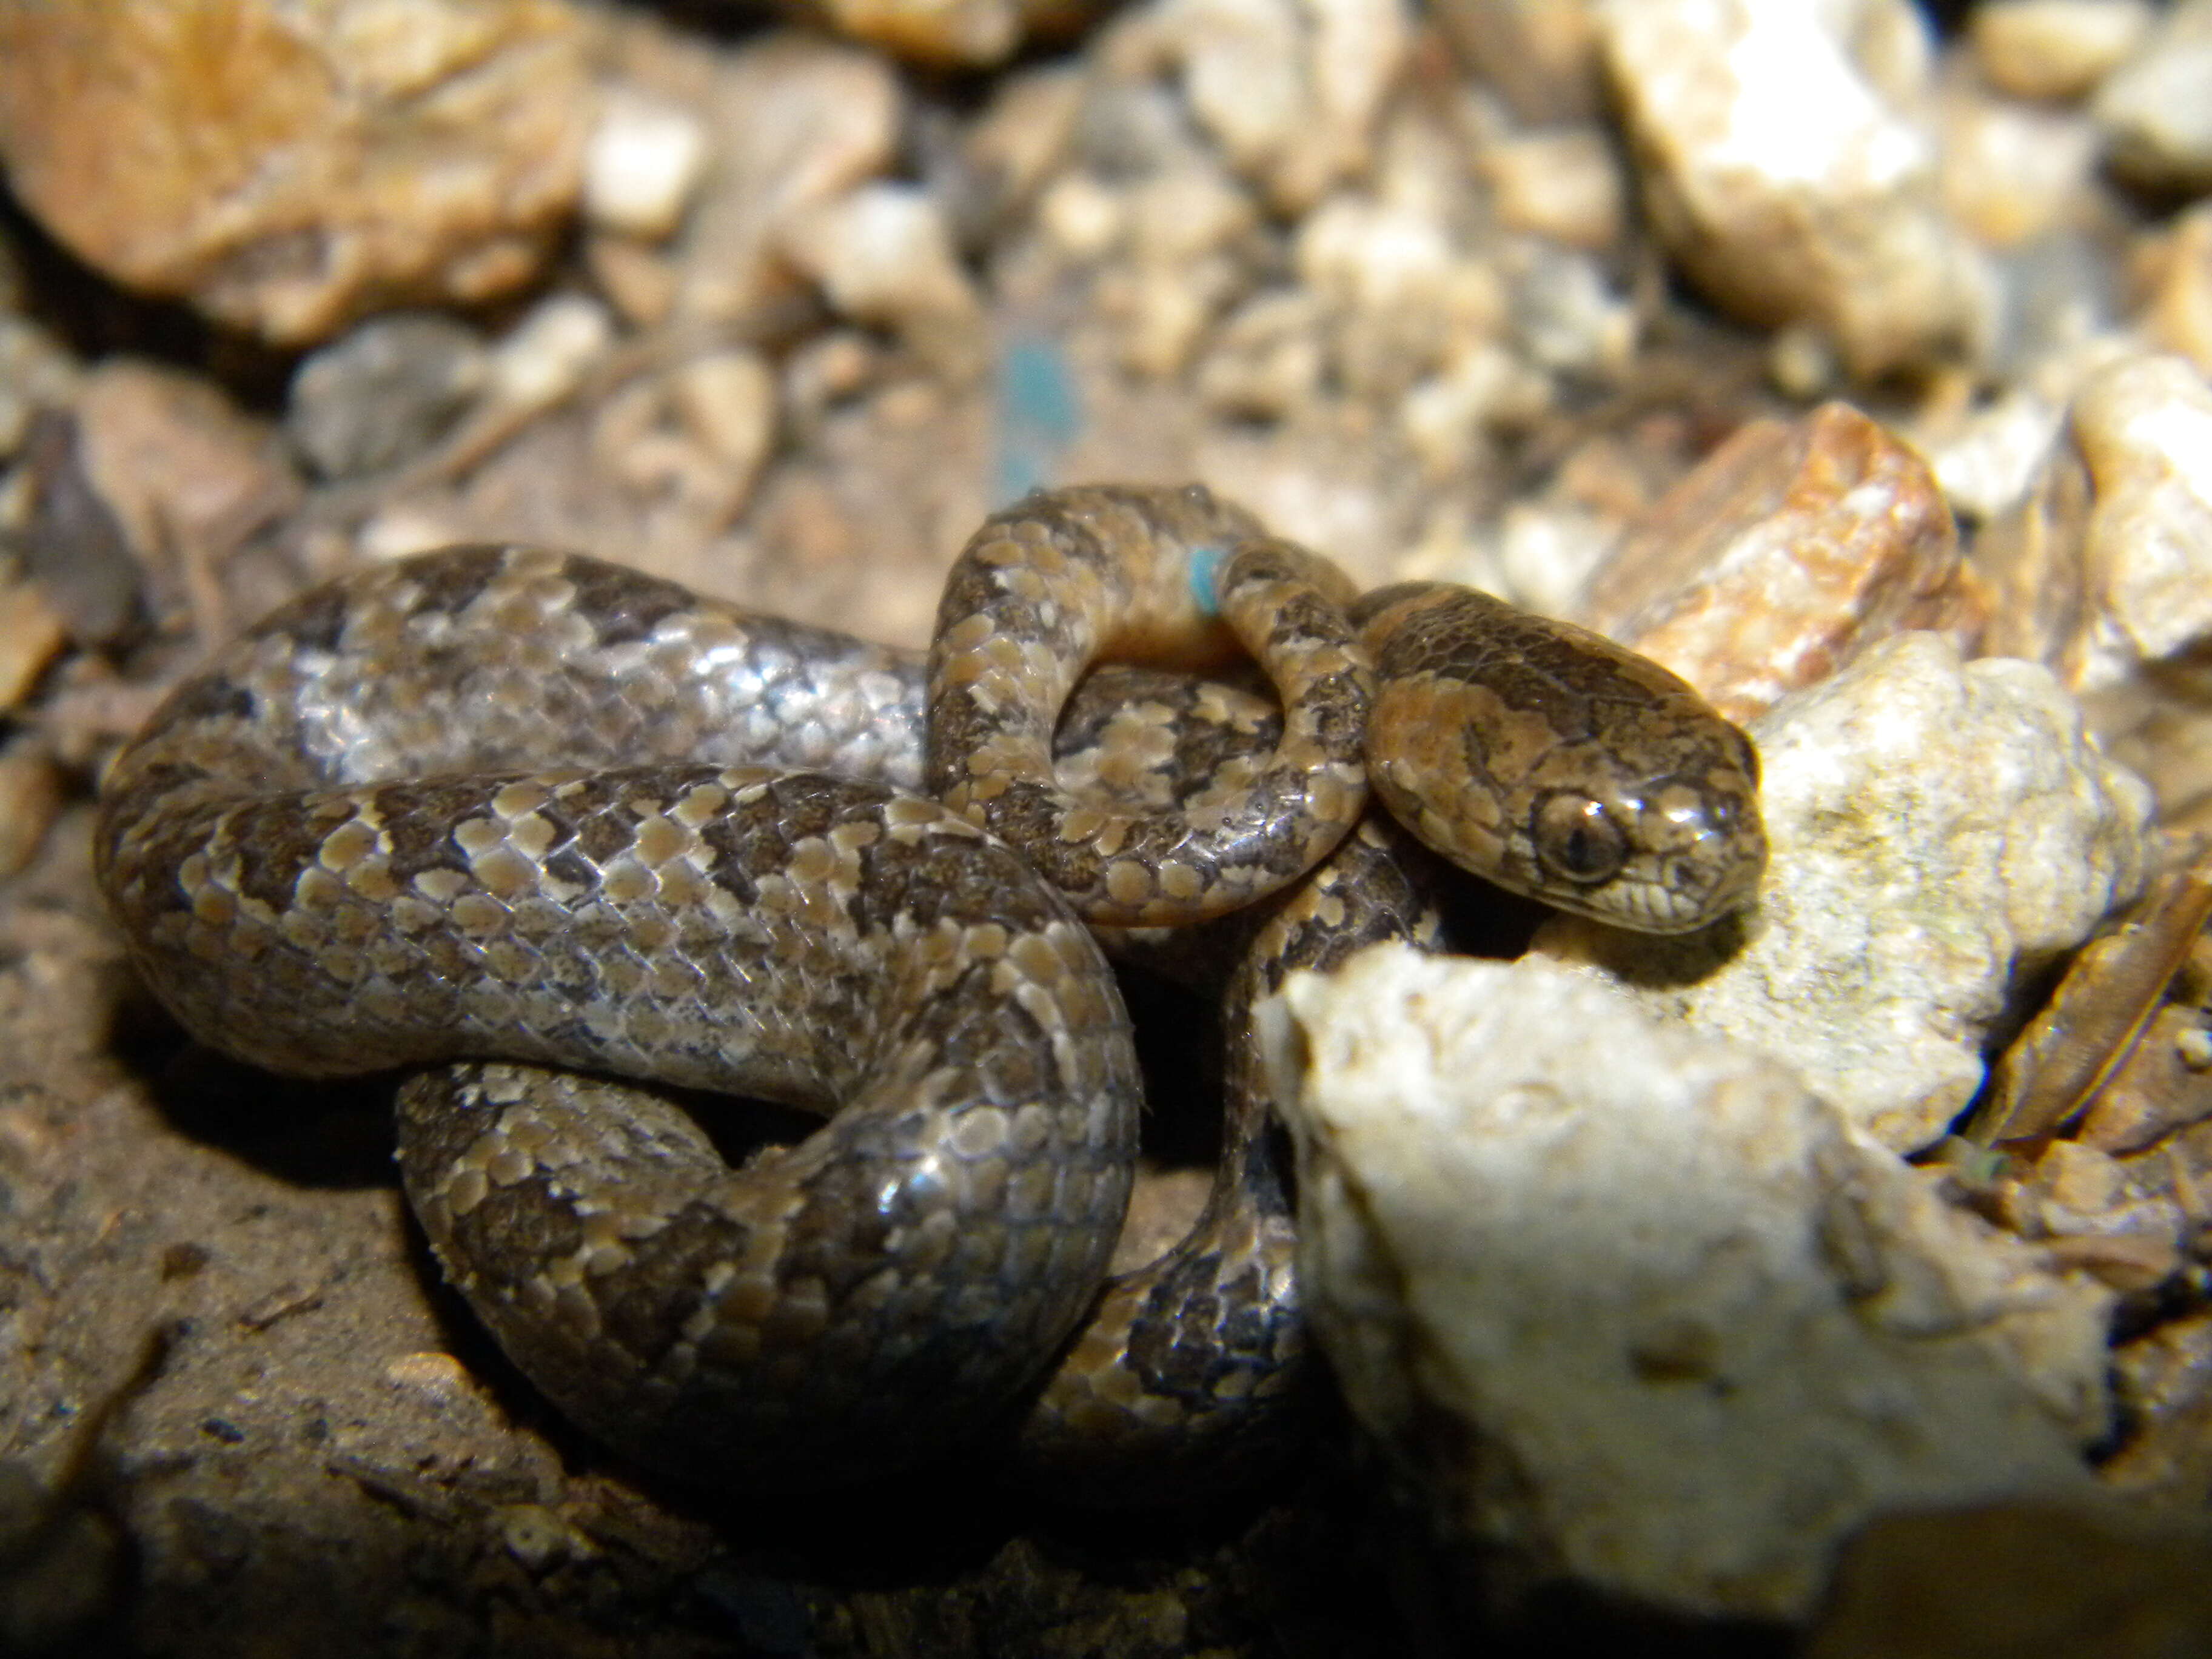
(546, 356)
(642, 165)
(1939, 833)
(1642, 1307)
(1778, 172)
(1290, 92)
(728, 401)
(2154, 109)
(2054, 48)
(2013, 171)
(1565, 185)
(883, 254)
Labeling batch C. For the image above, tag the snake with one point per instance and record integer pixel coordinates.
(577, 849)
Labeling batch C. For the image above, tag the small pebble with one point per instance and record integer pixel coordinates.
(384, 393)
(30, 797)
(642, 165)
(548, 354)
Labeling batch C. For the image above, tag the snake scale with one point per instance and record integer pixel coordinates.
(536, 824)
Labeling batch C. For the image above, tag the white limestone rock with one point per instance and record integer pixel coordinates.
(1638, 1304)
(1939, 831)
(1779, 170)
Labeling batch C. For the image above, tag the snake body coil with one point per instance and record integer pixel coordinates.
(491, 811)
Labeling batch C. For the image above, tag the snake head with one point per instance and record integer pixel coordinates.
(1664, 854)
(1547, 759)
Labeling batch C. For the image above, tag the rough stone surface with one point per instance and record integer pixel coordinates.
(1939, 833)
(1779, 174)
(1640, 1305)
(2153, 108)
(287, 167)
(1788, 551)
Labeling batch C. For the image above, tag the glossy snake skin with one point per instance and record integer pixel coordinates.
(512, 809)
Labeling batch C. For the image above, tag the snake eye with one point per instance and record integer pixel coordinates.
(1577, 839)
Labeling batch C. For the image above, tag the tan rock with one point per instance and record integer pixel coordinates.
(186, 473)
(1565, 186)
(2175, 266)
(286, 166)
(2054, 48)
(31, 634)
(1788, 550)
(30, 796)
(949, 32)
(1290, 92)
(1542, 55)
(883, 254)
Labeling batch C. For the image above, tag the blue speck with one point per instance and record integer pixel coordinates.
(1204, 568)
(1040, 414)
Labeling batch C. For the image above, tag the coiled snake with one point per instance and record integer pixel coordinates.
(492, 811)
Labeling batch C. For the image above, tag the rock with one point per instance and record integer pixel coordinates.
(728, 402)
(2053, 48)
(31, 634)
(1014, 147)
(286, 167)
(2117, 1218)
(796, 122)
(36, 372)
(1789, 549)
(2012, 172)
(1641, 1307)
(546, 356)
(1564, 185)
(948, 33)
(188, 474)
(1542, 55)
(2163, 1380)
(1289, 91)
(1776, 171)
(881, 254)
(1939, 833)
(30, 784)
(2157, 120)
(74, 548)
(2108, 568)
(2175, 267)
(640, 166)
(383, 393)
(1266, 359)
